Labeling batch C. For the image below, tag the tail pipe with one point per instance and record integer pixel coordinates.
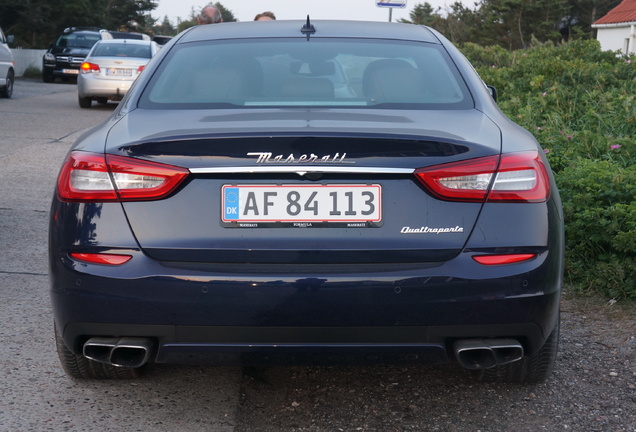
(476, 354)
(126, 352)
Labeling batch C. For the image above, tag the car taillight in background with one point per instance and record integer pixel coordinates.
(97, 177)
(88, 67)
(514, 177)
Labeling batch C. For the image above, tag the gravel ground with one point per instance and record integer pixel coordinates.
(593, 388)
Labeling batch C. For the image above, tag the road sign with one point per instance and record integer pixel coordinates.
(391, 3)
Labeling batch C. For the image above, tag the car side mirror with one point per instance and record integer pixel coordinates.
(493, 92)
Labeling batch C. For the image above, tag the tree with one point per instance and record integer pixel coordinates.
(459, 23)
(514, 24)
(165, 28)
(228, 15)
(583, 13)
(29, 20)
(422, 14)
(128, 15)
(35, 23)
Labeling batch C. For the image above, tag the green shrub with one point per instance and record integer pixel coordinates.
(32, 72)
(580, 103)
(600, 211)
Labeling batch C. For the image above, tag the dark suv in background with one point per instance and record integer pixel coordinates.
(68, 51)
(129, 35)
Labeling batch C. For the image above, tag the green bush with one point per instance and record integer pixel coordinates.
(580, 103)
(32, 72)
(600, 213)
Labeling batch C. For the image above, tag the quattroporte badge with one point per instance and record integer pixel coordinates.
(429, 230)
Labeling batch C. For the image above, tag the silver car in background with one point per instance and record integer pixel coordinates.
(110, 69)
(7, 73)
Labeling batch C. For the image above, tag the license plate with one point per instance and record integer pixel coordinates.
(119, 72)
(70, 71)
(350, 203)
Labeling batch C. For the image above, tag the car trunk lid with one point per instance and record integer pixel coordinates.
(292, 152)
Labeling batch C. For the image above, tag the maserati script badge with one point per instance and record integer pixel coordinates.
(268, 158)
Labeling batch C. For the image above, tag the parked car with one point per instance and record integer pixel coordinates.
(237, 209)
(7, 66)
(110, 69)
(68, 51)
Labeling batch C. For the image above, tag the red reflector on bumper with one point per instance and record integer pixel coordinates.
(503, 259)
(98, 258)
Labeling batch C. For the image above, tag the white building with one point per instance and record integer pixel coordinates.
(616, 31)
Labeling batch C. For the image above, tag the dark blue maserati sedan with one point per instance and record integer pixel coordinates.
(307, 192)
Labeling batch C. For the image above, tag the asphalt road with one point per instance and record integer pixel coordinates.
(593, 387)
(37, 127)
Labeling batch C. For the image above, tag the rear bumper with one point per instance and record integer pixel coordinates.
(178, 344)
(90, 87)
(411, 313)
(61, 70)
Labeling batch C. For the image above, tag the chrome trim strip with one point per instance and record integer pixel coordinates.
(301, 170)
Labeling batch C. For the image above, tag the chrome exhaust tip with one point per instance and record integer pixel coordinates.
(131, 352)
(506, 351)
(99, 349)
(477, 354)
(126, 352)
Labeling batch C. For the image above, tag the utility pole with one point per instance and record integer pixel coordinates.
(390, 4)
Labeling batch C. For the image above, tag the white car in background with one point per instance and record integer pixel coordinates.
(7, 71)
(110, 69)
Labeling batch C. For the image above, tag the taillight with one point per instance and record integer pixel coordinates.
(87, 67)
(513, 177)
(140, 68)
(101, 258)
(95, 177)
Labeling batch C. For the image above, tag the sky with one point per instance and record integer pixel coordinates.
(245, 10)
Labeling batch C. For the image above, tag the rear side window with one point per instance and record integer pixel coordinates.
(121, 50)
(295, 72)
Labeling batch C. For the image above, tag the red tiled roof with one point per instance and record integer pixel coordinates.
(623, 13)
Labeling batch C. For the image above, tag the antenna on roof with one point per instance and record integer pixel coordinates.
(308, 29)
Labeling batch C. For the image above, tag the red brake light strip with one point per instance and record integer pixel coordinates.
(101, 258)
(502, 259)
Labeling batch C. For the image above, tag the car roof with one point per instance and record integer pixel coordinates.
(125, 41)
(70, 30)
(128, 35)
(323, 29)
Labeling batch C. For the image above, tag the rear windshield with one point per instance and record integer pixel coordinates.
(121, 50)
(296, 72)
